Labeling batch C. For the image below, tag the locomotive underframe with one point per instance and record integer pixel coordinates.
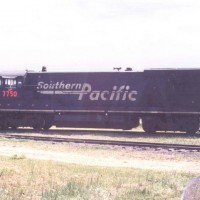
(188, 123)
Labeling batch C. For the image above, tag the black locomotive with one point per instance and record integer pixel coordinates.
(163, 100)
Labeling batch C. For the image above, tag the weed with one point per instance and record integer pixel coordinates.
(18, 157)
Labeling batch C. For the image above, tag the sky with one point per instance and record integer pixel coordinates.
(98, 35)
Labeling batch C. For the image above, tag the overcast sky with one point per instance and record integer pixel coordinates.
(97, 35)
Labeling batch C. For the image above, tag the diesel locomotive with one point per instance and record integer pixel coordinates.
(160, 99)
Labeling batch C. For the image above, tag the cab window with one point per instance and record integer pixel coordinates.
(19, 83)
(10, 83)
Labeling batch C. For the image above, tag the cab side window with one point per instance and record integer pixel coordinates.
(19, 83)
(11, 83)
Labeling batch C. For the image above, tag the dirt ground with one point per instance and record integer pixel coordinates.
(94, 155)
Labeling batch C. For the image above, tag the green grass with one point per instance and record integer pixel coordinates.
(46, 180)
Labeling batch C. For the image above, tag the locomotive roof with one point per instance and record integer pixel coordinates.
(11, 74)
(172, 69)
(14, 74)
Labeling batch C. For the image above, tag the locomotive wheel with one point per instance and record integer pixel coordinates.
(192, 126)
(4, 127)
(149, 125)
(192, 129)
(48, 120)
(148, 128)
(47, 126)
(38, 124)
(37, 127)
(14, 128)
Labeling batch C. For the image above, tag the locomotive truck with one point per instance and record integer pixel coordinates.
(161, 99)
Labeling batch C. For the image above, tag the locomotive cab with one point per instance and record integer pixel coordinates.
(11, 85)
(11, 98)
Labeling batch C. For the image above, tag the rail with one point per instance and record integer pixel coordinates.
(106, 142)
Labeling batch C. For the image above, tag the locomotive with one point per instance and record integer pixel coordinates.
(161, 99)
